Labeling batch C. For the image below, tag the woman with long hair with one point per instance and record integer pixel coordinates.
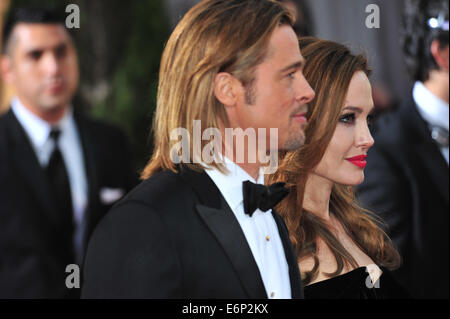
(341, 249)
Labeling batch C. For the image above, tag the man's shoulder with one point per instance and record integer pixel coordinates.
(392, 127)
(5, 118)
(99, 126)
(3, 132)
(6, 121)
(163, 190)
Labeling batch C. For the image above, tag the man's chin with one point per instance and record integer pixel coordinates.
(294, 142)
(53, 104)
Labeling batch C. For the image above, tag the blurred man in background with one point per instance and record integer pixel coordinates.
(407, 170)
(5, 91)
(60, 171)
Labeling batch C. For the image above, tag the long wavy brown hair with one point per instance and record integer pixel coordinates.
(329, 68)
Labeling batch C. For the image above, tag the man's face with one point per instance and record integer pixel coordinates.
(280, 92)
(42, 66)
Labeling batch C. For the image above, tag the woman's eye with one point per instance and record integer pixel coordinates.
(347, 118)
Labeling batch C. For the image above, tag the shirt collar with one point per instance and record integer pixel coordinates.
(432, 109)
(230, 184)
(36, 128)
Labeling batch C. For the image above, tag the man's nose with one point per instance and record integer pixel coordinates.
(305, 93)
(50, 64)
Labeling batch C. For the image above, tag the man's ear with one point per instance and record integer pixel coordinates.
(440, 55)
(226, 88)
(6, 69)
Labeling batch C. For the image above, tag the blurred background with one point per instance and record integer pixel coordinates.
(120, 44)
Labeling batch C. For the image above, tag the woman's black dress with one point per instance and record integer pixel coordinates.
(356, 284)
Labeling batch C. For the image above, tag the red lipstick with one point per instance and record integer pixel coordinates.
(359, 160)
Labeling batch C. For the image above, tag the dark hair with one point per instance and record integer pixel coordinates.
(418, 35)
(29, 14)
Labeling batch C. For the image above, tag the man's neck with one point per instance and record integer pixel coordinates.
(438, 83)
(251, 169)
(51, 116)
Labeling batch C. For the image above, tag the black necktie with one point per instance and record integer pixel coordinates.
(60, 190)
(261, 196)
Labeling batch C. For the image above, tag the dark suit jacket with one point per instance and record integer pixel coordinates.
(174, 236)
(33, 256)
(406, 183)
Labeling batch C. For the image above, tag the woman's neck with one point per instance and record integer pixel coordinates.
(317, 196)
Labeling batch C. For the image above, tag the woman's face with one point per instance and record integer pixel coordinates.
(345, 157)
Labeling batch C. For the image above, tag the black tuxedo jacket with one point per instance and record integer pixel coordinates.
(174, 236)
(406, 183)
(33, 257)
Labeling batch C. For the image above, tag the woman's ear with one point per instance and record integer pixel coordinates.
(440, 55)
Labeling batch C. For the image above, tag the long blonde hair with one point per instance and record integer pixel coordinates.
(329, 69)
(214, 36)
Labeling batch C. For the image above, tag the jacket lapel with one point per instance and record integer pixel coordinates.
(291, 257)
(86, 134)
(436, 167)
(225, 227)
(428, 153)
(29, 168)
(221, 221)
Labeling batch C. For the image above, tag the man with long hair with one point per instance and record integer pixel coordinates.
(189, 231)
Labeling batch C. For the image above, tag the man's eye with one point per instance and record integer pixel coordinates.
(35, 55)
(347, 118)
(291, 75)
(61, 51)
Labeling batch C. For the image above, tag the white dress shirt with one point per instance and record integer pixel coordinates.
(260, 230)
(432, 109)
(38, 132)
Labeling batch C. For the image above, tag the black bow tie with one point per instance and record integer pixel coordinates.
(262, 197)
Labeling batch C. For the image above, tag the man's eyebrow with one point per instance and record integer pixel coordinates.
(296, 65)
(57, 46)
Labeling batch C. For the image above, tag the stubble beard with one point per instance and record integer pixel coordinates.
(295, 140)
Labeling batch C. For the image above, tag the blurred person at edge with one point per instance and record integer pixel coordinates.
(407, 175)
(60, 171)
